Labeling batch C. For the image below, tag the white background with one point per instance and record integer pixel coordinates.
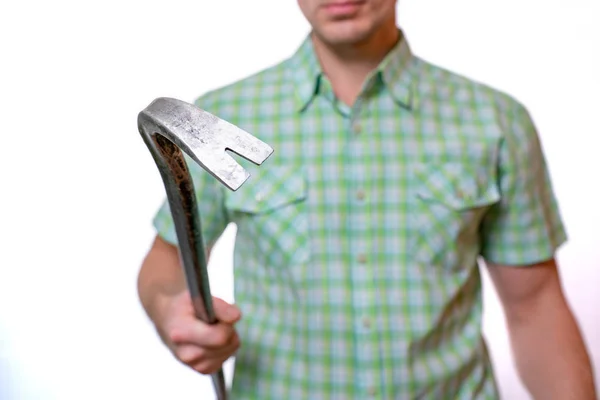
(79, 187)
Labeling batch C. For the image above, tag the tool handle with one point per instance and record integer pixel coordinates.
(183, 205)
(182, 202)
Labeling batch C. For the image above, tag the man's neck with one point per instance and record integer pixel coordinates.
(348, 66)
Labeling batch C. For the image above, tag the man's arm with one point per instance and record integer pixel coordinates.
(160, 277)
(550, 354)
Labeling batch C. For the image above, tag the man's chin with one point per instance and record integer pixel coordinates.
(341, 35)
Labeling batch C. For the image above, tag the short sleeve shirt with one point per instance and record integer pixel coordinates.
(355, 263)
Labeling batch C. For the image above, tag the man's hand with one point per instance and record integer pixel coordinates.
(163, 294)
(200, 346)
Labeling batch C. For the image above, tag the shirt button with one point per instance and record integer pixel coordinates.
(372, 391)
(362, 258)
(356, 128)
(360, 195)
(366, 322)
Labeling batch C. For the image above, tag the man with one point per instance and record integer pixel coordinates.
(356, 255)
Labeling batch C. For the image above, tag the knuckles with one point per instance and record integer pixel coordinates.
(190, 356)
(235, 341)
(220, 337)
(204, 349)
(206, 368)
(177, 334)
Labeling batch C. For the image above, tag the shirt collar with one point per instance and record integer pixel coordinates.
(306, 73)
(395, 70)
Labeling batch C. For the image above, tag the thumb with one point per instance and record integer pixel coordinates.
(226, 312)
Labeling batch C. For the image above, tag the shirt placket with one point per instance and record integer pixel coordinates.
(363, 292)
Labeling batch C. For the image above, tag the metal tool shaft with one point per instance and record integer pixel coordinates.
(182, 202)
(169, 126)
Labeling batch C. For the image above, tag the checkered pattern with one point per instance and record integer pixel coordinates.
(357, 245)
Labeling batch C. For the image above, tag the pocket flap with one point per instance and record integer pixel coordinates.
(269, 187)
(457, 185)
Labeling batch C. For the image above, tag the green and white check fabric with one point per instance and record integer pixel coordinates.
(356, 256)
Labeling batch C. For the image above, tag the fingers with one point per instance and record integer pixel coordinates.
(185, 328)
(204, 360)
(226, 312)
(201, 334)
(201, 346)
(190, 354)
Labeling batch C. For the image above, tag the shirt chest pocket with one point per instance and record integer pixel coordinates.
(270, 211)
(450, 201)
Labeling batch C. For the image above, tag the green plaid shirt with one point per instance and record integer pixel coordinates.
(357, 242)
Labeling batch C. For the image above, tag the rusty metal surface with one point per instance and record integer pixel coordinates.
(168, 127)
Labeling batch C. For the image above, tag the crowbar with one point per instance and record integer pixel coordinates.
(168, 127)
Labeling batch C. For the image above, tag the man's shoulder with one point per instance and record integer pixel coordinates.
(444, 93)
(261, 86)
(443, 84)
